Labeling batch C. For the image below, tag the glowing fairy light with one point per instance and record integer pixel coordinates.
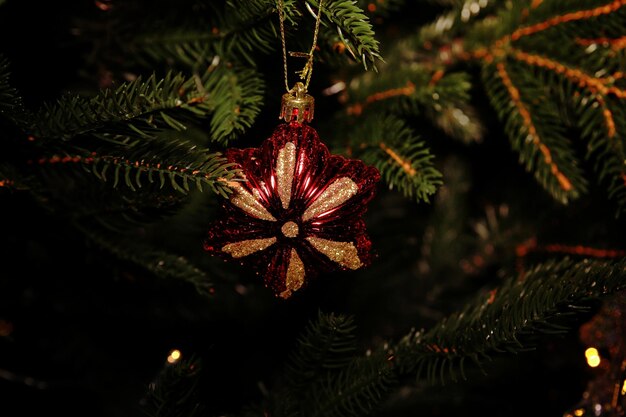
(593, 357)
(174, 356)
(624, 388)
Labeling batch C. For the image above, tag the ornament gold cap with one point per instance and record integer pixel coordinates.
(297, 105)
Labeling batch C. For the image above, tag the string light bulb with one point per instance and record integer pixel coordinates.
(593, 357)
(174, 356)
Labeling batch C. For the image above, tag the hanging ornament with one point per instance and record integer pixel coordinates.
(299, 209)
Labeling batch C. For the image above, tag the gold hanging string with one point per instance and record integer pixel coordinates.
(307, 71)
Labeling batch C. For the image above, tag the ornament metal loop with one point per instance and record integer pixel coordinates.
(297, 105)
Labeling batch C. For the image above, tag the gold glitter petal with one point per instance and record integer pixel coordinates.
(248, 247)
(344, 253)
(295, 275)
(337, 193)
(285, 166)
(250, 203)
(290, 229)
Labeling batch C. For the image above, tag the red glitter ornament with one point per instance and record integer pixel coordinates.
(299, 210)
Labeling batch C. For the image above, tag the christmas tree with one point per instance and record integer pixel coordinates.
(458, 250)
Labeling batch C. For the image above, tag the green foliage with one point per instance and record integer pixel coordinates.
(569, 72)
(530, 121)
(240, 30)
(234, 30)
(354, 29)
(160, 263)
(326, 344)
(357, 390)
(177, 164)
(238, 98)
(604, 146)
(175, 393)
(402, 158)
(325, 377)
(8, 95)
(442, 99)
(504, 320)
(139, 109)
(11, 105)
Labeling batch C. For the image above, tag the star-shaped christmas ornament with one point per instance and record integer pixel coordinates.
(299, 210)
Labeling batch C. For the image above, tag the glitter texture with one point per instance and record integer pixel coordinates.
(247, 247)
(337, 193)
(290, 229)
(285, 166)
(299, 211)
(295, 274)
(344, 253)
(249, 203)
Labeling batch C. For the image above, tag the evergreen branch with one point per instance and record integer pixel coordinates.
(177, 164)
(135, 108)
(242, 29)
(354, 29)
(141, 109)
(529, 122)
(403, 159)
(176, 391)
(326, 344)
(599, 103)
(8, 95)
(62, 186)
(603, 123)
(497, 322)
(11, 104)
(238, 97)
(357, 390)
(603, 9)
(441, 98)
(162, 264)
(605, 87)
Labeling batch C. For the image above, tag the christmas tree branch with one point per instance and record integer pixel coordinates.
(177, 164)
(238, 100)
(235, 31)
(500, 321)
(325, 378)
(403, 159)
(160, 263)
(12, 108)
(542, 147)
(176, 391)
(441, 98)
(326, 345)
(531, 246)
(579, 15)
(356, 390)
(135, 108)
(140, 108)
(354, 29)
